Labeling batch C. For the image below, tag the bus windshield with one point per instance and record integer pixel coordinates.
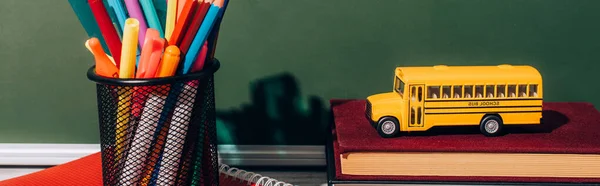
(399, 86)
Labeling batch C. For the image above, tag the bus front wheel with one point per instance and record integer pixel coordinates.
(388, 127)
(491, 125)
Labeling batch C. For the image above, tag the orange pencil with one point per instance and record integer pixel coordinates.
(190, 33)
(183, 20)
(180, 5)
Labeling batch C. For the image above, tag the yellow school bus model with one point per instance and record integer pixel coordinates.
(488, 96)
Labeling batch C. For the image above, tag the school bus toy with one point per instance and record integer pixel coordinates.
(488, 96)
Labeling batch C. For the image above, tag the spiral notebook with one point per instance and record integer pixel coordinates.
(232, 176)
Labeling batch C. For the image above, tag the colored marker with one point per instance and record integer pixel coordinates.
(141, 142)
(130, 37)
(106, 27)
(155, 58)
(151, 16)
(117, 7)
(104, 67)
(201, 36)
(190, 33)
(169, 62)
(126, 70)
(183, 21)
(133, 7)
(151, 33)
(171, 18)
(141, 93)
(86, 17)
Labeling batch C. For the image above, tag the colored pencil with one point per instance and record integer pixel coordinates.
(214, 36)
(183, 21)
(190, 33)
(202, 35)
(171, 18)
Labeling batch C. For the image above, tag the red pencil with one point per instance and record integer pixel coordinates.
(107, 28)
(183, 21)
(190, 33)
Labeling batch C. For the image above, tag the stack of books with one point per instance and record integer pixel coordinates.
(564, 149)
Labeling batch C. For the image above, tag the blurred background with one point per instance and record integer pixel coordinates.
(282, 61)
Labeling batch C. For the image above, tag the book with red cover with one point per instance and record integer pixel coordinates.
(569, 127)
(87, 171)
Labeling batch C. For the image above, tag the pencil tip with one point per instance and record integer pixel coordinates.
(219, 3)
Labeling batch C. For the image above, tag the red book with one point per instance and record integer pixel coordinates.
(88, 171)
(569, 129)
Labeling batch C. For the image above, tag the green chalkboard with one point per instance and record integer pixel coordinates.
(283, 60)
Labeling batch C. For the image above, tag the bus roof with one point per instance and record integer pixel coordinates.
(469, 74)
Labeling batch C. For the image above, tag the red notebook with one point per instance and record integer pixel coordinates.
(88, 171)
(569, 128)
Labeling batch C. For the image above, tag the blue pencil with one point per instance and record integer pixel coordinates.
(214, 35)
(201, 35)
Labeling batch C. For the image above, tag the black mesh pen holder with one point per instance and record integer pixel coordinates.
(159, 131)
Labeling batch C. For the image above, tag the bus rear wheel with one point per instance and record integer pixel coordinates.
(491, 125)
(388, 127)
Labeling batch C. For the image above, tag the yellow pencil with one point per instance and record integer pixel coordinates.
(126, 70)
(171, 18)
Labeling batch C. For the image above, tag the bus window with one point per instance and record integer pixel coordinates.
(522, 90)
(457, 91)
(489, 91)
(433, 92)
(533, 91)
(413, 93)
(412, 115)
(468, 91)
(512, 91)
(399, 86)
(500, 90)
(478, 91)
(446, 92)
(420, 94)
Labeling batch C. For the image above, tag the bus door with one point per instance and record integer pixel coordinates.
(416, 106)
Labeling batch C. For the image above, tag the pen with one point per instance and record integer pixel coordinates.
(133, 7)
(202, 34)
(106, 27)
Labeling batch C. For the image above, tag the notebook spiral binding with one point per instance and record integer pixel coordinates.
(250, 177)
